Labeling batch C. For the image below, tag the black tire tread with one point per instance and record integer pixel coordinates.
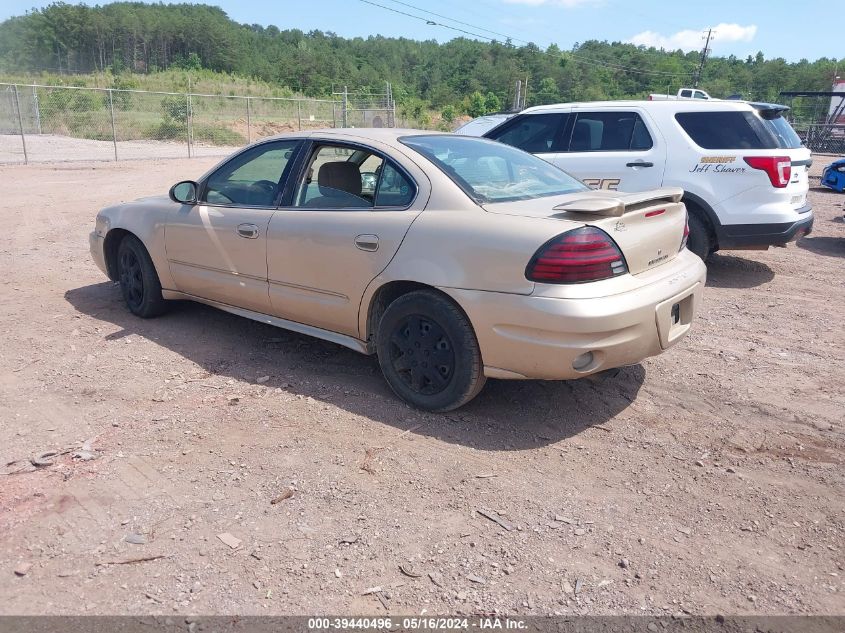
(154, 304)
(703, 240)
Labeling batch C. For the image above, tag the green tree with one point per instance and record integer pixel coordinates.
(492, 103)
(547, 93)
(476, 105)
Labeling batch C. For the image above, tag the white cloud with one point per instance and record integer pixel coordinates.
(690, 40)
(568, 4)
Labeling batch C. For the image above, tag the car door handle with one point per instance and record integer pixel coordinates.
(367, 242)
(639, 163)
(249, 231)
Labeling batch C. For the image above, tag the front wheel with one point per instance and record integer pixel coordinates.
(428, 352)
(139, 281)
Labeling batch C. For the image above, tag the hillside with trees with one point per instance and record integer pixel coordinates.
(460, 76)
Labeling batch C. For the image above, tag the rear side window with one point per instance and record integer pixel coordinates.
(534, 133)
(394, 189)
(609, 132)
(780, 127)
(726, 130)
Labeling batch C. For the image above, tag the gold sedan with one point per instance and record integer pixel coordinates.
(452, 258)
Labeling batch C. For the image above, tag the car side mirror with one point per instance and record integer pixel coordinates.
(184, 192)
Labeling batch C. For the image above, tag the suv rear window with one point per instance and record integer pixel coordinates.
(780, 127)
(534, 133)
(726, 130)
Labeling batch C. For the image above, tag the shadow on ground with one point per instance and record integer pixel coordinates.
(729, 271)
(507, 415)
(823, 245)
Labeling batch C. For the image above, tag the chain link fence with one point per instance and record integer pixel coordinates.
(56, 123)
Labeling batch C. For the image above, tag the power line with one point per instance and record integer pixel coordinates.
(576, 56)
(446, 17)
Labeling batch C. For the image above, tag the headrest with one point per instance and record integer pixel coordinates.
(340, 175)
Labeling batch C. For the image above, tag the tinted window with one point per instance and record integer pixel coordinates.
(535, 133)
(726, 130)
(394, 188)
(609, 132)
(782, 130)
(251, 178)
(493, 172)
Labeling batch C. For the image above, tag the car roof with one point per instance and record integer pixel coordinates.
(384, 134)
(669, 104)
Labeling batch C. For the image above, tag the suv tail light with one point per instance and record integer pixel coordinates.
(685, 238)
(577, 256)
(777, 168)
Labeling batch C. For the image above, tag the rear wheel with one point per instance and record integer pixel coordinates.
(139, 281)
(428, 352)
(700, 241)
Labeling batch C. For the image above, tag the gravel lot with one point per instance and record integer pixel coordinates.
(708, 480)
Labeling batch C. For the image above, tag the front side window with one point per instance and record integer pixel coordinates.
(535, 133)
(488, 171)
(252, 178)
(726, 130)
(609, 132)
(340, 177)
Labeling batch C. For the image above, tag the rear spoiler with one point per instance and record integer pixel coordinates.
(769, 110)
(613, 206)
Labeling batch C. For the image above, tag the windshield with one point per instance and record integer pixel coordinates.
(492, 172)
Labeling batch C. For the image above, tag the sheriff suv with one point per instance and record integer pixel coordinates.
(742, 166)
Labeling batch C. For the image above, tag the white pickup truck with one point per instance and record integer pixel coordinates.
(683, 93)
(743, 168)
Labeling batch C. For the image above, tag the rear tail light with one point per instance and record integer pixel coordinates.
(685, 238)
(577, 256)
(777, 168)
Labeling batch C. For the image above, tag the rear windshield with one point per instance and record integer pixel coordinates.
(493, 172)
(727, 130)
(780, 127)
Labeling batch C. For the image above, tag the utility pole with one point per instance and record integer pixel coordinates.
(703, 58)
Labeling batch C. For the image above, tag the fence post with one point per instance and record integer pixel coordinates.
(37, 109)
(299, 114)
(344, 117)
(188, 121)
(334, 115)
(248, 122)
(20, 125)
(113, 128)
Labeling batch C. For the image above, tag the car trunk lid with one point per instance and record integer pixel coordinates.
(648, 227)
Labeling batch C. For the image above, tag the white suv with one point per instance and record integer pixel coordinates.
(742, 166)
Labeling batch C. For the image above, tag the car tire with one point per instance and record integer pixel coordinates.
(138, 279)
(699, 242)
(428, 352)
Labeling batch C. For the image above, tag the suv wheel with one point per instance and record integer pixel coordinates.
(428, 352)
(699, 241)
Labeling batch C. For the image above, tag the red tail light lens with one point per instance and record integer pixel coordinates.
(685, 238)
(777, 168)
(577, 256)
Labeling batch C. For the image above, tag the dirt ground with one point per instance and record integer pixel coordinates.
(707, 480)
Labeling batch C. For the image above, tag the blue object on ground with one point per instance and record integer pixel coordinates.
(834, 176)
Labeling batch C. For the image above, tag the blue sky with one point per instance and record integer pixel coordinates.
(780, 29)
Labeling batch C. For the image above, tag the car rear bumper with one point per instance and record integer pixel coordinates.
(751, 235)
(95, 243)
(540, 337)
